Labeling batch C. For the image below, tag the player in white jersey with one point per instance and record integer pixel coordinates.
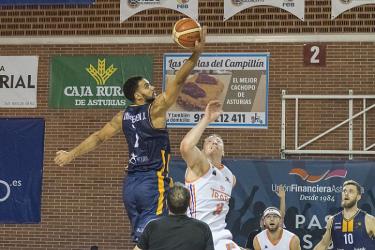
(209, 181)
(275, 237)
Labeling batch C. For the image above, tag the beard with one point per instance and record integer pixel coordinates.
(149, 99)
(272, 228)
(348, 204)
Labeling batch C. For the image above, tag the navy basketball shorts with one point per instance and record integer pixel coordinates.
(144, 196)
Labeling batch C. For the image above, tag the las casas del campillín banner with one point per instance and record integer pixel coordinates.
(94, 81)
(313, 192)
(21, 169)
(237, 80)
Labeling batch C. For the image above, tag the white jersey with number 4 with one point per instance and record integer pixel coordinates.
(209, 202)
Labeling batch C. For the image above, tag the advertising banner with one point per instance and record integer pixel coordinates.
(313, 192)
(296, 7)
(340, 6)
(21, 169)
(129, 8)
(13, 2)
(18, 81)
(94, 81)
(238, 81)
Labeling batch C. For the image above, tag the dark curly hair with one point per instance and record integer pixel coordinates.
(130, 87)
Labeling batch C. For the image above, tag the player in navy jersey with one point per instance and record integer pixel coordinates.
(352, 228)
(144, 126)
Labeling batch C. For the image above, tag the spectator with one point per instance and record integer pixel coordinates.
(177, 230)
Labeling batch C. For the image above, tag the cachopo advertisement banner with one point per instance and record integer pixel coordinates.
(313, 193)
(94, 81)
(238, 80)
(21, 169)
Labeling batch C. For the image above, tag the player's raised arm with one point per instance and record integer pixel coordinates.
(189, 65)
(281, 193)
(327, 238)
(194, 157)
(90, 143)
(164, 101)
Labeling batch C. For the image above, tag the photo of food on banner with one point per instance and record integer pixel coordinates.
(237, 90)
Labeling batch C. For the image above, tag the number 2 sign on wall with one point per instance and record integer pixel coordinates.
(314, 55)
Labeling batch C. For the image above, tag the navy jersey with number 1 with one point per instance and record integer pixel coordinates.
(147, 183)
(148, 147)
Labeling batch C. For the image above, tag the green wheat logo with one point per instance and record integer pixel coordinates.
(101, 74)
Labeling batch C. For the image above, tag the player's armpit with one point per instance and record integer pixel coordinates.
(295, 243)
(234, 180)
(370, 225)
(256, 244)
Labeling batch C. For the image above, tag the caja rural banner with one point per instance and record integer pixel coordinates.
(21, 169)
(313, 192)
(13, 2)
(296, 7)
(129, 8)
(94, 81)
(18, 81)
(340, 6)
(238, 80)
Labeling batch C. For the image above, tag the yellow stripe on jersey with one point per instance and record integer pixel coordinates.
(347, 226)
(161, 189)
(344, 226)
(351, 225)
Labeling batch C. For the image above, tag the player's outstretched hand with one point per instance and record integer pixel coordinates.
(280, 191)
(213, 110)
(63, 157)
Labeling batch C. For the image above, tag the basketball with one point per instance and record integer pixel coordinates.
(185, 32)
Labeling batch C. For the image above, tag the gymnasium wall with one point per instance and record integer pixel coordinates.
(82, 202)
(103, 18)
